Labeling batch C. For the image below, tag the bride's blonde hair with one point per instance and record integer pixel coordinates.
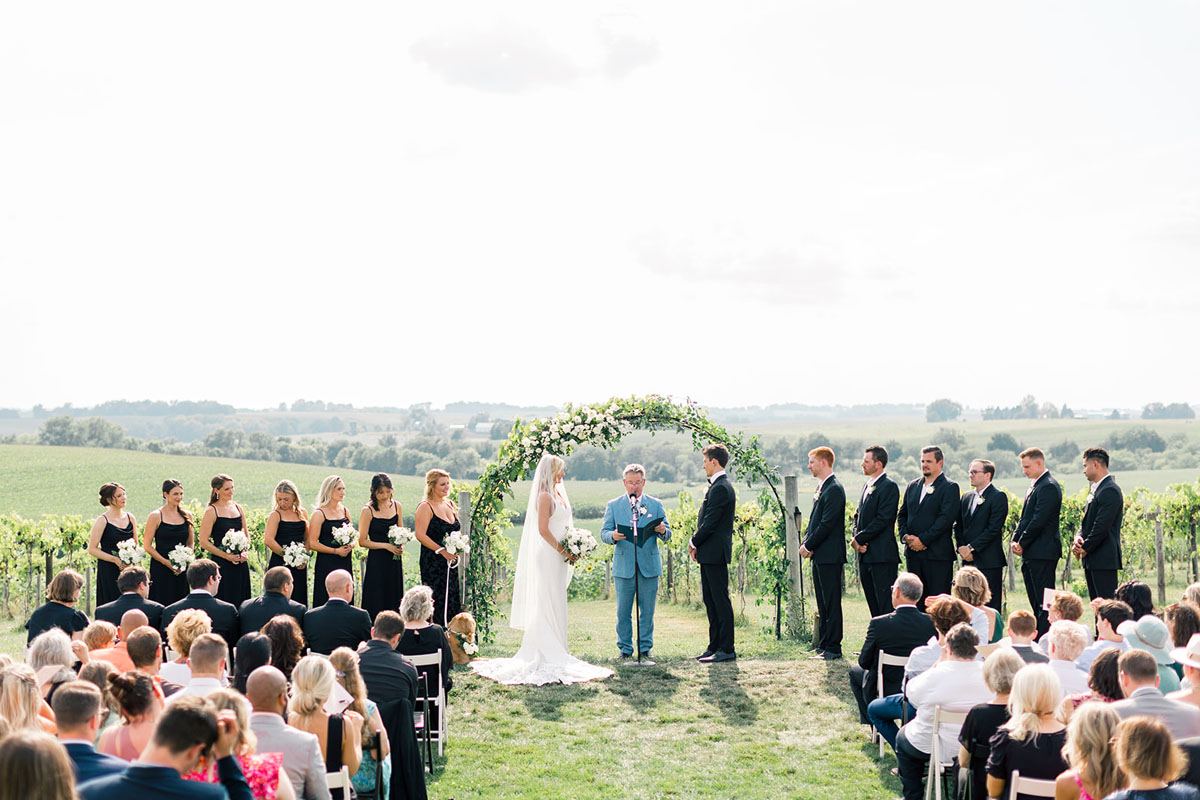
(551, 466)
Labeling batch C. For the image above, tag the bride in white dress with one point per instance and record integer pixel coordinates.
(540, 592)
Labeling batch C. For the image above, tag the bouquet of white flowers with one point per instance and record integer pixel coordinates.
(457, 542)
(400, 536)
(128, 550)
(579, 543)
(470, 648)
(295, 555)
(236, 542)
(347, 534)
(181, 557)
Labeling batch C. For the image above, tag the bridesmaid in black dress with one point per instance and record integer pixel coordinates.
(437, 516)
(222, 516)
(114, 525)
(288, 524)
(167, 527)
(329, 514)
(383, 581)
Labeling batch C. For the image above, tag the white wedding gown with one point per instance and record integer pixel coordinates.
(543, 657)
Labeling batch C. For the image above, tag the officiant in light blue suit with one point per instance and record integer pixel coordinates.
(631, 563)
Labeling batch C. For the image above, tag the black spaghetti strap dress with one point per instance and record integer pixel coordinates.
(165, 586)
(434, 573)
(383, 581)
(106, 571)
(235, 578)
(328, 562)
(290, 533)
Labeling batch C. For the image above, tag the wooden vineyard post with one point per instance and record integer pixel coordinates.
(464, 517)
(1160, 561)
(791, 518)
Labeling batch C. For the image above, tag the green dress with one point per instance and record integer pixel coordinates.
(364, 779)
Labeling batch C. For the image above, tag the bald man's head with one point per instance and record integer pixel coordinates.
(131, 620)
(265, 689)
(340, 583)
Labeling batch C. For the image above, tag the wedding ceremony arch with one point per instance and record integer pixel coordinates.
(604, 425)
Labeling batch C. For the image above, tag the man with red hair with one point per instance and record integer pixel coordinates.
(825, 543)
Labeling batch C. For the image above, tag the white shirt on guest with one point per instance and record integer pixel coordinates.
(197, 686)
(953, 685)
(1089, 654)
(175, 672)
(1073, 681)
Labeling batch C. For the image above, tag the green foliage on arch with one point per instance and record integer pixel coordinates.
(601, 425)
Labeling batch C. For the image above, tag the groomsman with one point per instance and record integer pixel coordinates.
(712, 548)
(1036, 536)
(874, 534)
(926, 521)
(825, 543)
(1099, 539)
(979, 529)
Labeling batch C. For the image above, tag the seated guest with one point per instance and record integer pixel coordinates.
(1022, 629)
(340, 734)
(1150, 635)
(204, 576)
(141, 703)
(1191, 595)
(77, 714)
(287, 643)
(1104, 685)
(337, 623)
(188, 731)
(208, 658)
(1032, 740)
(1094, 771)
(264, 771)
(955, 684)
(21, 702)
(1189, 657)
(422, 637)
(1137, 596)
(100, 635)
(134, 585)
(1150, 759)
(97, 673)
(883, 712)
(896, 633)
(187, 626)
(1183, 621)
(33, 764)
(267, 690)
(1109, 616)
(276, 599)
(1066, 641)
(52, 658)
(1067, 606)
(375, 756)
(385, 673)
(59, 609)
(145, 651)
(253, 651)
(972, 588)
(118, 654)
(985, 719)
(1140, 680)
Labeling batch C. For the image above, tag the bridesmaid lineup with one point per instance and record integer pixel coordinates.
(288, 524)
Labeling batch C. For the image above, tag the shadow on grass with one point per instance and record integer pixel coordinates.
(883, 765)
(644, 687)
(546, 702)
(836, 681)
(726, 694)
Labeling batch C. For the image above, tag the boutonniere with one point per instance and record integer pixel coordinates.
(979, 501)
(816, 496)
(870, 490)
(1091, 496)
(929, 489)
(642, 510)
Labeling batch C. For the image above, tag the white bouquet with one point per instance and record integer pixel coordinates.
(128, 550)
(295, 555)
(181, 557)
(579, 543)
(457, 542)
(470, 648)
(236, 542)
(345, 535)
(400, 536)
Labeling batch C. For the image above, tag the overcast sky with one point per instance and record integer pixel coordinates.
(747, 203)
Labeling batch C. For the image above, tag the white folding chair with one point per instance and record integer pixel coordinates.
(339, 780)
(437, 696)
(933, 784)
(884, 660)
(1031, 786)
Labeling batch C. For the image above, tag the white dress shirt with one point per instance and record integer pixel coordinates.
(197, 686)
(955, 686)
(1073, 681)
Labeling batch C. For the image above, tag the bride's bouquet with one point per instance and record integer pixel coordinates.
(579, 543)
(296, 555)
(345, 535)
(236, 542)
(400, 536)
(181, 557)
(456, 542)
(128, 550)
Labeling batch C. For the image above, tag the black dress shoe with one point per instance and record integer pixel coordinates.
(719, 656)
(817, 656)
(828, 656)
(706, 654)
(645, 654)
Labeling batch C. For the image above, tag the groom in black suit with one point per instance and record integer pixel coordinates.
(825, 543)
(1099, 539)
(979, 529)
(1036, 538)
(712, 548)
(925, 521)
(874, 532)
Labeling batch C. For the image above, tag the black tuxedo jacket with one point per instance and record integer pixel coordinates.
(875, 523)
(336, 624)
(112, 612)
(258, 611)
(930, 520)
(1101, 528)
(714, 529)
(983, 530)
(826, 534)
(386, 674)
(896, 634)
(1037, 532)
(223, 615)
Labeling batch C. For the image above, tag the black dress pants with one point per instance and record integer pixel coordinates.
(714, 589)
(935, 576)
(827, 584)
(1039, 576)
(877, 580)
(1101, 583)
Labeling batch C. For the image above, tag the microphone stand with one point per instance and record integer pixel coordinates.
(634, 502)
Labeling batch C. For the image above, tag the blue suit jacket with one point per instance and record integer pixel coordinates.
(153, 782)
(618, 512)
(88, 763)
